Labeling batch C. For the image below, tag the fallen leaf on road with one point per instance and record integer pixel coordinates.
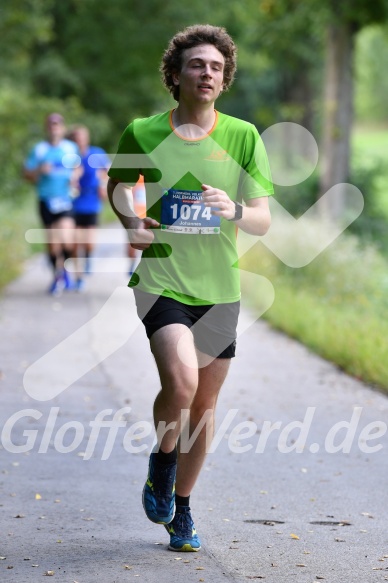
(38, 497)
(300, 565)
(127, 567)
(294, 536)
(199, 568)
(49, 573)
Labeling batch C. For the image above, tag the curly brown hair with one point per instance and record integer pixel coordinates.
(192, 36)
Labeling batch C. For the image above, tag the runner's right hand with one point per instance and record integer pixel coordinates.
(142, 237)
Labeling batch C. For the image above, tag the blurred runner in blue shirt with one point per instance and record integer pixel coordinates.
(51, 167)
(88, 204)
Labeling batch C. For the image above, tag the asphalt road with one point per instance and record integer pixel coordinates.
(276, 501)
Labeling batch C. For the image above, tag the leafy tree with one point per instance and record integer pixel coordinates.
(343, 20)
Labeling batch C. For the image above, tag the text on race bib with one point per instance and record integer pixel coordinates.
(183, 211)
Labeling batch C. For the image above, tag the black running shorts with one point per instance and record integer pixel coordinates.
(213, 326)
(86, 219)
(48, 218)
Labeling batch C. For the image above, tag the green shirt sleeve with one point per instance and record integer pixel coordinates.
(256, 179)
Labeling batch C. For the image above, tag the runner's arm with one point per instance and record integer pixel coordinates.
(256, 217)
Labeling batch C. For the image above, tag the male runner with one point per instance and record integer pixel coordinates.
(50, 166)
(198, 165)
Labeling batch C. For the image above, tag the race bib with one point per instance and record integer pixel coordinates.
(183, 211)
(58, 205)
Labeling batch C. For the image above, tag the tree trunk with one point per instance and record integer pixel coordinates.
(337, 118)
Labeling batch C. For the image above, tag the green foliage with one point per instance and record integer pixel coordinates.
(371, 82)
(359, 13)
(372, 224)
(22, 22)
(297, 199)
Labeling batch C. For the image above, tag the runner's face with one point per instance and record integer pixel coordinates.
(81, 138)
(202, 74)
(55, 130)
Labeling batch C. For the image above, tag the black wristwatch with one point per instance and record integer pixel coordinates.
(238, 211)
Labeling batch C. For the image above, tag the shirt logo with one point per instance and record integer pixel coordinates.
(218, 156)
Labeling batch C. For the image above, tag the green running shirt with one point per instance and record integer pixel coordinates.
(194, 257)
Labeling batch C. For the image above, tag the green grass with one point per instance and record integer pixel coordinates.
(354, 339)
(371, 141)
(337, 305)
(14, 250)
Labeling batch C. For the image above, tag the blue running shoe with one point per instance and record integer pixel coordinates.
(159, 491)
(56, 287)
(68, 283)
(183, 536)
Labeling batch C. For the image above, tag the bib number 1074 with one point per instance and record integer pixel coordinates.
(190, 212)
